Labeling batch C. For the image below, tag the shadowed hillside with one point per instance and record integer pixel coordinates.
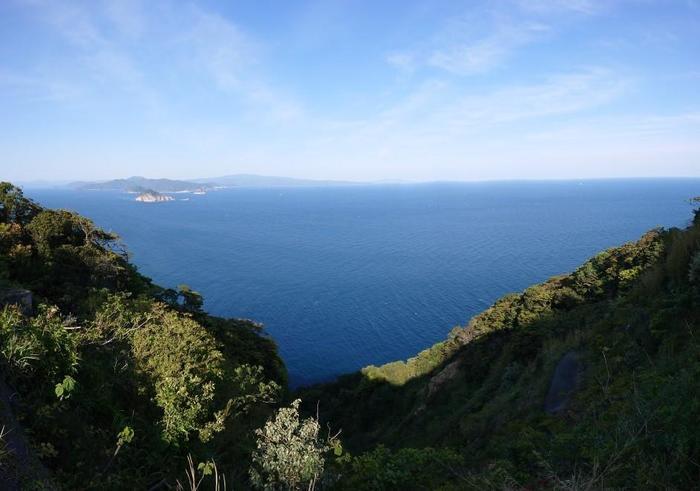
(585, 381)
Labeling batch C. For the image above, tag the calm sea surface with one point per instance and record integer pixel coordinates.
(344, 277)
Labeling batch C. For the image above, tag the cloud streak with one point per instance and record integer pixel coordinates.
(587, 7)
(441, 110)
(115, 45)
(35, 88)
(487, 53)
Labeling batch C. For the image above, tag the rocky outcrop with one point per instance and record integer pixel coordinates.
(153, 197)
(449, 372)
(22, 298)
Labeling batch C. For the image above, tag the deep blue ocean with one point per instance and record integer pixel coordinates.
(344, 277)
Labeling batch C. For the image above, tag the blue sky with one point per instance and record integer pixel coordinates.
(362, 90)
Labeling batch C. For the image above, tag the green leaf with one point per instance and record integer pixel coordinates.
(206, 468)
(64, 389)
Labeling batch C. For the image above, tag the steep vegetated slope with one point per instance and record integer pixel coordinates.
(585, 381)
(114, 380)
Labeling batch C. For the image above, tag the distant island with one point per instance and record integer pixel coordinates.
(151, 196)
(139, 184)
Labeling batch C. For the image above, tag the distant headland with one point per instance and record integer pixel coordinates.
(142, 185)
(139, 184)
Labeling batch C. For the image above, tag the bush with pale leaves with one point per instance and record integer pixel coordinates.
(289, 452)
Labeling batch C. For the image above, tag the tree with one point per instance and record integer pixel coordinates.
(191, 301)
(14, 207)
(696, 203)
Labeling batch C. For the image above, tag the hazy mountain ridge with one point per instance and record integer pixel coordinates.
(139, 184)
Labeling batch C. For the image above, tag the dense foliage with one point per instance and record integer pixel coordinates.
(117, 380)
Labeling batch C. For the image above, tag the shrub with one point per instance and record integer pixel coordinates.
(38, 346)
(290, 452)
(180, 358)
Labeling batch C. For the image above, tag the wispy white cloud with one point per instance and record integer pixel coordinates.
(112, 42)
(482, 38)
(443, 110)
(559, 94)
(465, 57)
(128, 17)
(36, 88)
(404, 61)
(470, 45)
(231, 59)
(642, 126)
(222, 49)
(441, 123)
(98, 57)
(558, 6)
(487, 36)
(70, 20)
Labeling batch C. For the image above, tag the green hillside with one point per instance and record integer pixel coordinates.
(478, 410)
(109, 380)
